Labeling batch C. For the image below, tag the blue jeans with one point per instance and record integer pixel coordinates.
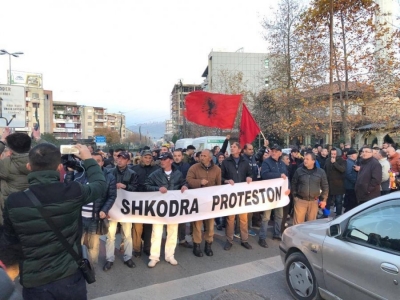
(277, 222)
(336, 200)
(69, 288)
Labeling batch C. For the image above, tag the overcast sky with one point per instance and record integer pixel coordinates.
(125, 55)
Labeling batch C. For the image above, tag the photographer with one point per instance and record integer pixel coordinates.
(47, 269)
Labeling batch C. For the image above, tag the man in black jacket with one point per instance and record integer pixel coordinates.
(182, 166)
(369, 178)
(127, 180)
(307, 184)
(273, 167)
(236, 169)
(47, 269)
(248, 155)
(335, 169)
(162, 180)
(139, 230)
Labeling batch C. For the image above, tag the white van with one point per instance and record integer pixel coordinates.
(183, 143)
(208, 142)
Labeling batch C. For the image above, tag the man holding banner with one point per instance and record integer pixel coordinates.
(164, 179)
(236, 169)
(203, 174)
(273, 167)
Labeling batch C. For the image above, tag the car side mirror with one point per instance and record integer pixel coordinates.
(334, 230)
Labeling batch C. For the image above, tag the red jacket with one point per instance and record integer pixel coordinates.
(395, 162)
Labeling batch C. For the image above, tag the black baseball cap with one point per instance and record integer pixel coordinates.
(276, 147)
(124, 154)
(166, 155)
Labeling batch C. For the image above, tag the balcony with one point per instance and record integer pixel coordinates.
(67, 130)
(100, 120)
(62, 121)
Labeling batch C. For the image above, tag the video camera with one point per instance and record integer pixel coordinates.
(71, 161)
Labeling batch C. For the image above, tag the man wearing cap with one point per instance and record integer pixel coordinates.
(139, 230)
(162, 180)
(350, 200)
(127, 180)
(188, 156)
(13, 171)
(273, 167)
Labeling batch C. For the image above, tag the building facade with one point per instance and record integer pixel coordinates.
(177, 105)
(67, 119)
(116, 122)
(253, 66)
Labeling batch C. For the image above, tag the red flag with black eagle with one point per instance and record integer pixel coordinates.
(212, 110)
(248, 127)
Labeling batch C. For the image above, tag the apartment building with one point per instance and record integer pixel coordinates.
(67, 119)
(177, 105)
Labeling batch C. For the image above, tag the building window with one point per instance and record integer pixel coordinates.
(90, 117)
(35, 95)
(89, 123)
(266, 63)
(267, 81)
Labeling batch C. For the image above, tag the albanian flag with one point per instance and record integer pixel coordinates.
(212, 110)
(248, 127)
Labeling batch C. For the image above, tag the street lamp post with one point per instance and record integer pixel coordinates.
(15, 54)
(120, 128)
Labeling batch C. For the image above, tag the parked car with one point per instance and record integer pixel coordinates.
(354, 256)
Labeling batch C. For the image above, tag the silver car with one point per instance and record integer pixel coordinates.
(354, 256)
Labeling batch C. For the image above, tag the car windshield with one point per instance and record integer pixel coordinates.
(377, 226)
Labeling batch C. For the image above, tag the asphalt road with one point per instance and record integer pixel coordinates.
(235, 274)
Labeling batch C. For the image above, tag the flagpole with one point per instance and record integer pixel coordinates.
(262, 135)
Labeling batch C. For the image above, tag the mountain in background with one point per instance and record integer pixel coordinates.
(154, 130)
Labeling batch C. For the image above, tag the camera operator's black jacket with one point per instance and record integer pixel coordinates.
(106, 201)
(45, 258)
(159, 179)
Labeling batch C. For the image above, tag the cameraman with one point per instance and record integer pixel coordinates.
(47, 269)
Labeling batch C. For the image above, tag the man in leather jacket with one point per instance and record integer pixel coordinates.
(164, 179)
(307, 184)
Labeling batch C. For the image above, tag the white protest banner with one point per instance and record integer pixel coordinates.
(175, 207)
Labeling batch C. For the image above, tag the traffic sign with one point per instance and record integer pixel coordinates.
(100, 140)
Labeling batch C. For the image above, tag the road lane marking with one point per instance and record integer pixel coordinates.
(196, 284)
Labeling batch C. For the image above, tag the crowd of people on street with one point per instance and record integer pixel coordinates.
(78, 193)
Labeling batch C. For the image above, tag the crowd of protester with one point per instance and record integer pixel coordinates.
(79, 193)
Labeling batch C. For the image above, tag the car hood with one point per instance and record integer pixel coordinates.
(308, 235)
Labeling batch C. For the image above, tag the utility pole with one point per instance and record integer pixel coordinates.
(183, 108)
(331, 73)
